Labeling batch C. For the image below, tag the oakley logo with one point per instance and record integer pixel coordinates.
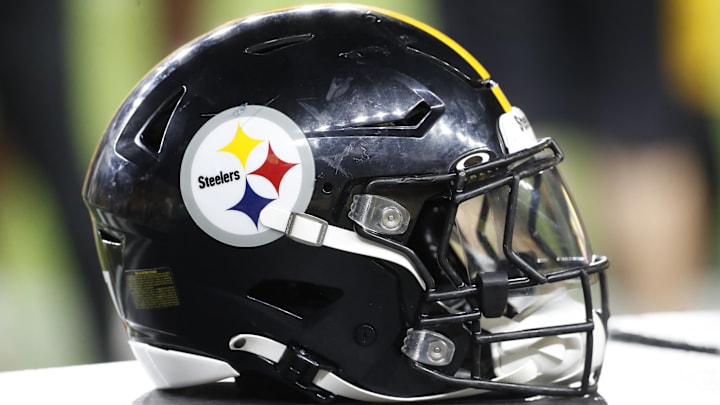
(473, 159)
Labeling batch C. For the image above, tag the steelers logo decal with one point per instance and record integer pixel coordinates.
(241, 161)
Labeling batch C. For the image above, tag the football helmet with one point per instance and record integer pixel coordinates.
(340, 198)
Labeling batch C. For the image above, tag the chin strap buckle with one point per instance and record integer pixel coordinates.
(292, 363)
(298, 367)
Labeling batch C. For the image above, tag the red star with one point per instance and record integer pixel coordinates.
(274, 168)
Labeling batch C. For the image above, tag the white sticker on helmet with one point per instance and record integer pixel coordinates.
(240, 162)
(515, 130)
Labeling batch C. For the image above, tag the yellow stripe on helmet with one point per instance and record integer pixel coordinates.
(467, 56)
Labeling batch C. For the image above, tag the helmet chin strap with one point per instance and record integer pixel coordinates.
(552, 359)
(314, 231)
(549, 359)
(274, 351)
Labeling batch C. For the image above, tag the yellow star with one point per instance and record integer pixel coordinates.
(241, 145)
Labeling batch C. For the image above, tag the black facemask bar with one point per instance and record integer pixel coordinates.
(487, 294)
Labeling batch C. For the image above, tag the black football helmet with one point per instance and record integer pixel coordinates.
(340, 198)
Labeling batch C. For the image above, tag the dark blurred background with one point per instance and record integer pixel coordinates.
(630, 89)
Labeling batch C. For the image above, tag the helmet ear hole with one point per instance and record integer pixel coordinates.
(327, 188)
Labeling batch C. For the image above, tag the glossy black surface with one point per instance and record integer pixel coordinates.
(375, 97)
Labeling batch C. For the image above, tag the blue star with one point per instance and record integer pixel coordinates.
(251, 204)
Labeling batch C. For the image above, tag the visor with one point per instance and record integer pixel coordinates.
(546, 234)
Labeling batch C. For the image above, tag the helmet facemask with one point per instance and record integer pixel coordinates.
(515, 300)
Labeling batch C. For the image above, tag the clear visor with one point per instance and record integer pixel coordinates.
(545, 235)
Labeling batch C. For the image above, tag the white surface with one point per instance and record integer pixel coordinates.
(701, 328)
(106, 383)
(637, 374)
(632, 373)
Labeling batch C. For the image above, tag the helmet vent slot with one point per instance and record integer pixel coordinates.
(295, 298)
(273, 45)
(153, 132)
(412, 119)
(110, 250)
(108, 239)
